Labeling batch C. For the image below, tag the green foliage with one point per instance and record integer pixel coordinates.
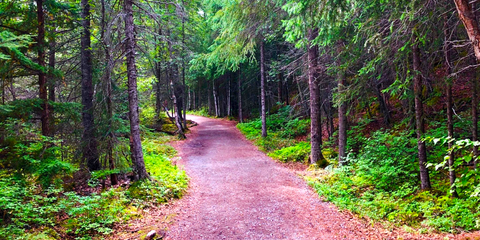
(381, 183)
(25, 151)
(201, 112)
(297, 153)
(404, 205)
(388, 159)
(280, 142)
(27, 205)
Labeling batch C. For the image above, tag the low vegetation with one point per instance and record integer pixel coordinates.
(39, 198)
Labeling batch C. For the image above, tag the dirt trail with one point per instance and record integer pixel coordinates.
(237, 192)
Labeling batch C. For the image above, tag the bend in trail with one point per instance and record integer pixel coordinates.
(237, 192)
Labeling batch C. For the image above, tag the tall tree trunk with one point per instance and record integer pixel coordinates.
(135, 141)
(419, 119)
(108, 85)
(209, 98)
(229, 103)
(183, 69)
(313, 84)
(239, 87)
(178, 119)
(90, 153)
(280, 88)
(51, 83)
(342, 113)
(287, 92)
(262, 88)
(42, 76)
(470, 22)
(215, 98)
(451, 160)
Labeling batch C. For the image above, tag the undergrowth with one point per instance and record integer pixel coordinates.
(36, 206)
(381, 182)
(281, 142)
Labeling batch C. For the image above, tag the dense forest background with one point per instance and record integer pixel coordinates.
(383, 93)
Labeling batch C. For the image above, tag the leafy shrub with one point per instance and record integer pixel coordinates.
(50, 212)
(388, 159)
(296, 153)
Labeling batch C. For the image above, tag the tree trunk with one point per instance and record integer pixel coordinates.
(313, 84)
(342, 115)
(467, 15)
(262, 88)
(90, 153)
(280, 88)
(184, 105)
(135, 142)
(108, 86)
(229, 103)
(239, 86)
(383, 106)
(42, 77)
(215, 98)
(451, 160)
(51, 83)
(419, 120)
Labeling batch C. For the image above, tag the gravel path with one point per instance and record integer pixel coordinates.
(237, 192)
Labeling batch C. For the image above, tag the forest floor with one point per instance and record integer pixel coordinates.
(237, 192)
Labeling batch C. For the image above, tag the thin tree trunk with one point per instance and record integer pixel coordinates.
(303, 105)
(451, 160)
(135, 142)
(178, 120)
(262, 88)
(215, 98)
(342, 115)
(51, 83)
(419, 119)
(280, 88)
(313, 84)
(209, 98)
(108, 84)
(42, 77)
(90, 153)
(189, 100)
(239, 86)
(287, 92)
(183, 68)
(383, 106)
(229, 103)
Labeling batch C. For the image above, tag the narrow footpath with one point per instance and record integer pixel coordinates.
(237, 192)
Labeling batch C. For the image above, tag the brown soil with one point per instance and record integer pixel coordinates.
(237, 192)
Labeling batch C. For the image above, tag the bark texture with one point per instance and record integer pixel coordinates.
(90, 153)
(469, 20)
(42, 76)
(108, 89)
(239, 86)
(451, 155)
(262, 89)
(342, 121)
(313, 84)
(135, 141)
(419, 119)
